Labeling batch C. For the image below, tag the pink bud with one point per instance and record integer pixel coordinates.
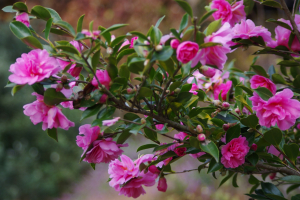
(272, 176)
(208, 71)
(129, 90)
(298, 126)
(237, 110)
(175, 43)
(180, 151)
(201, 137)
(162, 184)
(199, 129)
(64, 79)
(225, 105)
(254, 147)
(143, 121)
(24, 18)
(153, 169)
(226, 127)
(59, 87)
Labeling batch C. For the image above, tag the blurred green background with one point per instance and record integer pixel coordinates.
(35, 167)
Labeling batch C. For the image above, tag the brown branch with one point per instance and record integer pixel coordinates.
(277, 169)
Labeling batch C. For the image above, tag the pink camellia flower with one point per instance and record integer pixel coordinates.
(238, 12)
(224, 87)
(208, 71)
(280, 109)
(247, 29)
(110, 122)
(24, 18)
(253, 147)
(260, 81)
(127, 178)
(51, 116)
(186, 51)
(194, 88)
(126, 42)
(159, 126)
(104, 151)
(274, 151)
(162, 184)
(33, 67)
(132, 42)
(93, 34)
(215, 55)
(87, 135)
(103, 98)
(298, 126)
(234, 152)
(103, 77)
(175, 43)
(199, 78)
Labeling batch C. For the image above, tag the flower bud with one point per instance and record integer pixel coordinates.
(129, 90)
(225, 105)
(254, 147)
(109, 50)
(272, 176)
(59, 87)
(199, 129)
(145, 53)
(158, 48)
(162, 184)
(177, 90)
(226, 127)
(153, 169)
(217, 102)
(174, 43)
(64, 79)
(201, 137)
(146, 62)
(237, 110)
(298, 126)
(143, 121)
(167, 91)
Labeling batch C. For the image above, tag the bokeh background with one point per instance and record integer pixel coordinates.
(35, 167)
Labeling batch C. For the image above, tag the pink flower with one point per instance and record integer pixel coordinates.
(253, 147)
(223, 10)
(247, 29)
(208, 71)
(186, 51)
(272, 176)
(194, 88)
(124, 44)
(162, 184)
(33, 67)
(280, 109)
(298, 126)
(127, 178)
(199, 78)
(51, 116)
(93, 34)
(103, 77)
(103, 98)
(260, 81)
(238, 12)
(275, 152)
(132, 42)
(224, 87)
(159, 126)
(104, 151)
(234, 152)
(73, 70)
(175, 43)
(110, 122)
(215, 55)
(87, 135)
(24, 18)
(180, 151)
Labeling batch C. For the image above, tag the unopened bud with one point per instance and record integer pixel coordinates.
(214, 114)
(146, 42)
(143, 121)
(167, 91)
(109, 50)
(217, 102)
(145, 53)
(64, 79)
(226, 127)
(254, 147)
(201, 137)
(59, 87)
(146, 62)
(158, 48)
(174, 43)
(199, 129)
(225, 105)
(177, 90)
(237, 110)
(129, 90)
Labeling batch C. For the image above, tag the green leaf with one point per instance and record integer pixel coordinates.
(296, 81)
(234, 180)
(210, 148)
(146, 146)
(159, 21)
(244, 102)
(175, 33)
(280, 23)
(93, 165)
(214, 166)
(184, 22)
(152, 135)
(163, 55)
(289, 63)
(233, 132)
(54, 15)
(140, 35)
(292, 187)
(155, 35)
(79, 24)
(19, 29)
(92, 100)
(208, 44)
(95, 59)
(48, 28)
(251, 121)
(60, 32)
(112, 71)
(145, 92)
(51, 97)
(271, 3)
(123, 137)
(124, 53)
(113, 27)
(291, 179)
(273, 136)
(66, 26)
(292, 151)
(218, 122)
(15, 89)
(253, 180)
(168, 66)
(41, 13)
(134, 128)
(20, 6)
(186, 7)
(259, 70)
(264, 93)
(213, 27)
(32, 42)
(249, 4)
(296, 197)
(9, 9)
(52, 133)
(131, 116)
(226, 178)
(38, 88)
(206, 15)
(161, 147)
(68, 49)
(277, 78)
(124, 72)
(117, 40)
(90, 111)
(253, 159)
(269, 188)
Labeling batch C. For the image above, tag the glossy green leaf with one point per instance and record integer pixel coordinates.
(68, 49)
(52, 97)
(112, 28)
(250, 121)
(280, 23)
(91, 111)
(186, 7)
(291, 179)
(289, 63)
(146, 146)
(226, 178)
(292, 151)
(145, 92)
(210, 148)
(206, 15)
(296, 81)
(15, 89)
(163, 55)
(9, 9)
(184, 22)
(52, 133)
(48, 28)
(269, 188)
(233, 132)
(95, 59)
(140, 35)
(234, 180)
(277, 78)
(213, 27)
(271, 3)
(79, 24)
(155, 35)
(20, 6)
(159, 21)
(123, 137)
(32, 42)
(124, 71)
(54, 15)
(19, 29)
(253, 159)
(66, 26)
(259, 70)
(214, 166)
(112, 71)
(264, 93)
(168, 66)
(273, 136)
(41, 13)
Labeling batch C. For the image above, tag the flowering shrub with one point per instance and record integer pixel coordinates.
(248, 125)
